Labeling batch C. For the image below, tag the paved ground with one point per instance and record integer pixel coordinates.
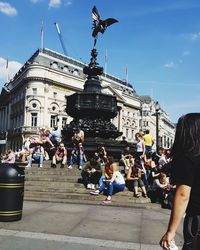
(77, 227)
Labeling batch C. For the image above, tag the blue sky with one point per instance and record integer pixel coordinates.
(158, 41)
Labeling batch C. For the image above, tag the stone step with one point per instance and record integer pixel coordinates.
(50, 189)
(84, 196)
(93, 202)
(55, 184)
(64, 185)
(52, 171)
(69, 189)
(46, 178)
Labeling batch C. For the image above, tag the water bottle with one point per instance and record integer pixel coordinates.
(173, 246)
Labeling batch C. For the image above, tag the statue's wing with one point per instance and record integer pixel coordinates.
(95, 15)
(109, 21)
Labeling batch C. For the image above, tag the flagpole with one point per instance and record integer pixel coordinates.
(42, 36)
(126, 74)
(7, 71)
(106, 61)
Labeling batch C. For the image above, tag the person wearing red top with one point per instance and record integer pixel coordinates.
(60, 156)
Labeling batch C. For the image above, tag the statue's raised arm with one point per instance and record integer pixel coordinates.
(100, 25)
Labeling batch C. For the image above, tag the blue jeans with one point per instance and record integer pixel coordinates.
(78, 159)
(101, 180)
(148, 149)
(37, 158)
(113, 187)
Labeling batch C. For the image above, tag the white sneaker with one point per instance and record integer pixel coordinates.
(89, 186)
(92, 186)
(96, 192)
(80, 167)
(70, 167)
(28, 166)
(40, 166)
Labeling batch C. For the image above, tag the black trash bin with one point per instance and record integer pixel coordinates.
(11, 192)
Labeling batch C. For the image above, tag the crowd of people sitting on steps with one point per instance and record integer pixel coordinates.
(142, 171)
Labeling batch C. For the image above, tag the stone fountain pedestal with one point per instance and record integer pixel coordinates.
(92, 111)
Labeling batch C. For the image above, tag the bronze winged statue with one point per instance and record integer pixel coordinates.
(100, 25)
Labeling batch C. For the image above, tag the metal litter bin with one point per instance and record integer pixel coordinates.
(11, 192)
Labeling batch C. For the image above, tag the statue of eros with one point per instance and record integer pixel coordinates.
(100, 25)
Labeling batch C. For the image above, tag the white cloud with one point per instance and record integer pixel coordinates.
(67, 3)
(191, 36)
(7, 9)
(195, 36)
(186, 53)
(54, 3)
(170, 65)
(36, 1)
(12, 69)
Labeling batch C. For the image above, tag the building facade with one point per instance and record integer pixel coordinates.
(36, 97)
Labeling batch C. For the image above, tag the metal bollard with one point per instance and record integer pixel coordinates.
(11, 192)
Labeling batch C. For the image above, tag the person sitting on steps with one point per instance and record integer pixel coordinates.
(113, 183)
(36, 155)
(60, 156)
(134, 178)
(91, 173)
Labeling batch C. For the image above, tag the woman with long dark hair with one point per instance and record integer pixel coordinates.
(186, 176)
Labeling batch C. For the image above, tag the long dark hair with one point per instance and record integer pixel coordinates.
(187, 137)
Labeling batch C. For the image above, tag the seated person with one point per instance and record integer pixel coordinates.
(157, 155)
(55, 135)
(37, 154)
(91, 173)
(125, 157)
(149, 164)
(134, 179)
(163, 190)
(9, 157)
(25, 151)
(101, 153)
(60, 156)
(115, 182)
(77, 156)
(44, 137)
(78, 136)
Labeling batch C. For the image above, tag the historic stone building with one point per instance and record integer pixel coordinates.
(36, 97)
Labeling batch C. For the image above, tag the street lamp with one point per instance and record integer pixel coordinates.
(157, 107)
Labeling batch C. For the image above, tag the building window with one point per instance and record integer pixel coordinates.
(34, 105)
(64, 121)
(132, 132)
(54, 65)
(54, 94)
(127, 133)
(34, 119)
(66, 69)
(53, 120)
(76, 72)
(34, 91)
(53, 108)
(165, 141)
